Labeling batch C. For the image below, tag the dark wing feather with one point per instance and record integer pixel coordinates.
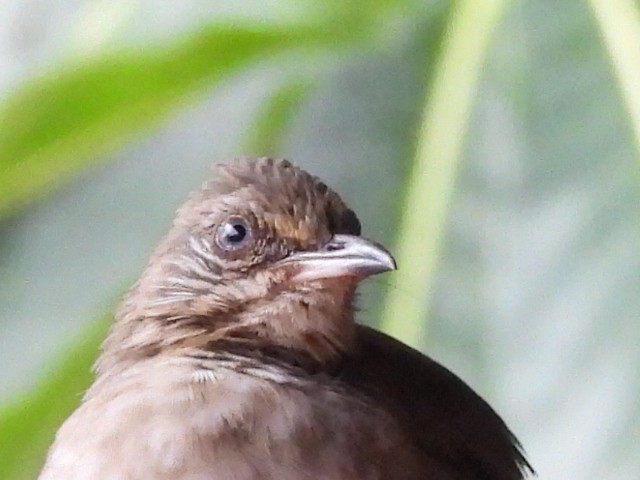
(446, 420)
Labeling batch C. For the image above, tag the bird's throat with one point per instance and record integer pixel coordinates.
(317, 320)
(314, 321)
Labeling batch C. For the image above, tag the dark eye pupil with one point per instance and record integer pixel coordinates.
(235, 232)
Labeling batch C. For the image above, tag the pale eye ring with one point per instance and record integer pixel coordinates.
(233, 234)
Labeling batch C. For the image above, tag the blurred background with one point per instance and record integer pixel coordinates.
(493, 145)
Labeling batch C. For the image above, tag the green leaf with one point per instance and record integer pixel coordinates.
(28, 425)
(274, 117)
(64, 122)
(440, 140)
(619, 22)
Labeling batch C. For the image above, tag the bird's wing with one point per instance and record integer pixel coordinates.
(446, 420)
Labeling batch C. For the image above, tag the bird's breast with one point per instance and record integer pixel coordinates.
(179, 418)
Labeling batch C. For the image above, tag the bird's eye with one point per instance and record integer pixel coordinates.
(233, 234)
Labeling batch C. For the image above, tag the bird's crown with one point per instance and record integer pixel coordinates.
(288, 202)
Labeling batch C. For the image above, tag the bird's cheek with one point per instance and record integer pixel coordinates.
(274, 278)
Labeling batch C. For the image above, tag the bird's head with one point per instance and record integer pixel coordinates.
(263, 253)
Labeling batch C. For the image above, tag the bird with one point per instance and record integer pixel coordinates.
(236, 356)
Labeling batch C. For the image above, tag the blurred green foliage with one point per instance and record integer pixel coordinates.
(60, 124)
(56, 124)
(28, 425)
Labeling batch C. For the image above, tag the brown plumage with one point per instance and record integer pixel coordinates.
(236, 356)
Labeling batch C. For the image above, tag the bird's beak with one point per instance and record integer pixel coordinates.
(343, 256)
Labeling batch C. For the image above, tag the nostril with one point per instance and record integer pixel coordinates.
(333, 246)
